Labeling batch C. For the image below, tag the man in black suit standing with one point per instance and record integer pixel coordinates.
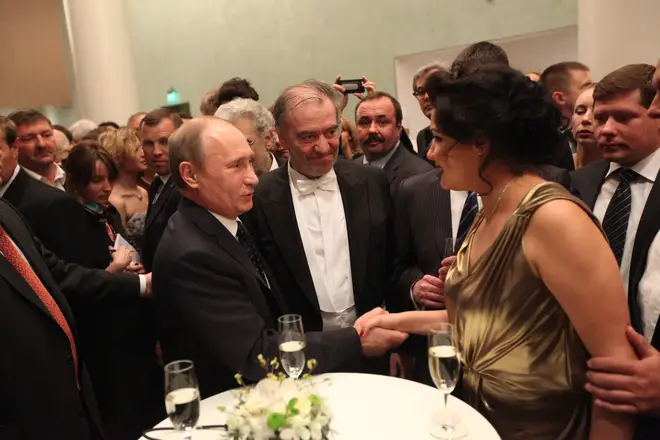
(624, 193)
(323, 225)
(45, 391)
(378, 118)
(217, 301)
(155, 129)
(424, 136)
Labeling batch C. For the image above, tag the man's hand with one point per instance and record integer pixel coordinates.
(429, 292)
(627, 386)
(148, 292)
(444, 268)
(378, 341)
(368, 86)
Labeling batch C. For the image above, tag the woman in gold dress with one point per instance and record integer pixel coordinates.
(535, 288)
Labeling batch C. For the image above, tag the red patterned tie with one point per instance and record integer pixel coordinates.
(13, 255)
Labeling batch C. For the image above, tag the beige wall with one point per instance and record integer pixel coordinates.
(34, 60)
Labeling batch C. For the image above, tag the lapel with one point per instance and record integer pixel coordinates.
(9, 273)
(649, 225)
(355, 197)
(278, 209)
(17, 188)
(395, 161)
(593, 178)
(161, 202)
(443, 197)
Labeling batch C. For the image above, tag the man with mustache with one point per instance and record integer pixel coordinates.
(323, 225)
(624, 193)
(378, 120)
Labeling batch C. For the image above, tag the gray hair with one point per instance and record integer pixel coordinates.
(186, 144)
(422, 71)
(240, 108)
(309, 90)
(81, 128)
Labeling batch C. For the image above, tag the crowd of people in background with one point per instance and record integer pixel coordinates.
(526, 216)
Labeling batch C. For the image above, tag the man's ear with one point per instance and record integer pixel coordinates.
(558, 98)
(188, 175)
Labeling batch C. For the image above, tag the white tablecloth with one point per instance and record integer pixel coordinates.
(365, 407)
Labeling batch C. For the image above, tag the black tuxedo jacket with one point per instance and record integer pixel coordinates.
(424, 138)
(158, 214)
(422, 224)
(38, 394)
(214, 309)
(587, 182)
(273, 224)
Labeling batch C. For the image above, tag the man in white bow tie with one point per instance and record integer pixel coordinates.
(323, 224)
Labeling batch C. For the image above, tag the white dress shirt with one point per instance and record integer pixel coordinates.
(457, 201)
(649, 285)
(231, 225)
(321, 219)
(160, 188)
(380, 163)
(273, 165)
(5, 185)
(60, 177)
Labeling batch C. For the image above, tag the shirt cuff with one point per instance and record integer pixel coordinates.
(143, 284)
(412, 297)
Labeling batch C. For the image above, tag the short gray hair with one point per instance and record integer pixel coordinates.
(316, 90)
(422, 71)
(240, 108)
(186, 144)
(81, 128)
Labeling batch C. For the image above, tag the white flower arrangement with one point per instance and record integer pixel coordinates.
(279, 408)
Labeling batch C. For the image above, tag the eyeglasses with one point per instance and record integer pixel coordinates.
(420, 91)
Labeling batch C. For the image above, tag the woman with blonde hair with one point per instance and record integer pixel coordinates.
(350, 145)
(130, 199)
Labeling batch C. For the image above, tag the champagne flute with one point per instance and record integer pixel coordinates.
(445, 368)
(292, 344)
(182, 396)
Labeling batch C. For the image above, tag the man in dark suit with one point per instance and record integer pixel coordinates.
(424, 136)
(155, 129)
(378, 118)
(43, 377)
(624, 193)
(217, 301)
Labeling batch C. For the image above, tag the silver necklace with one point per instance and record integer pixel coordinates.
(499, 200)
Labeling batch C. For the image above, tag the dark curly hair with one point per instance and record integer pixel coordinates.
(500, 104)
(235, 88)
(81, 163)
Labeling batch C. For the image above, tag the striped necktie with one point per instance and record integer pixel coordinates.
(615, 222)
(468, 215)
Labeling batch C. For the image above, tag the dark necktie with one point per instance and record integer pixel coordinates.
(14, 257)
(615, 222)
(246, 241)
(468, 215)
(155, 189)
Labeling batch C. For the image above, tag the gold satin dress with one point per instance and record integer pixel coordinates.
(524, 366)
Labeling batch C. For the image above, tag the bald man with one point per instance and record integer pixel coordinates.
(218, 302)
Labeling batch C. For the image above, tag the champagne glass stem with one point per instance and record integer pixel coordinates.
(187, 433)
(447, 424)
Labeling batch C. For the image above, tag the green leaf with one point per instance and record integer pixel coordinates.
(222, 408)
(275, 421)
(315, 400)
(291, 405)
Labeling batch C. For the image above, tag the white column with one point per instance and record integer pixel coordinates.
(102, 60)
(613, 33)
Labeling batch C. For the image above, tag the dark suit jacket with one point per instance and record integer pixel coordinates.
(403, 164)
(273, 224)
(214, 308)
(56, 218)
(38, 394)
(587, 182)
(158, 215)
(424, 138)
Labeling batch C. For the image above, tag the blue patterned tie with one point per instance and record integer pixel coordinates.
(467, 218)
(615, 222)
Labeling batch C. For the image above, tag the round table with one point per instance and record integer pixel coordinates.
(364, 406)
